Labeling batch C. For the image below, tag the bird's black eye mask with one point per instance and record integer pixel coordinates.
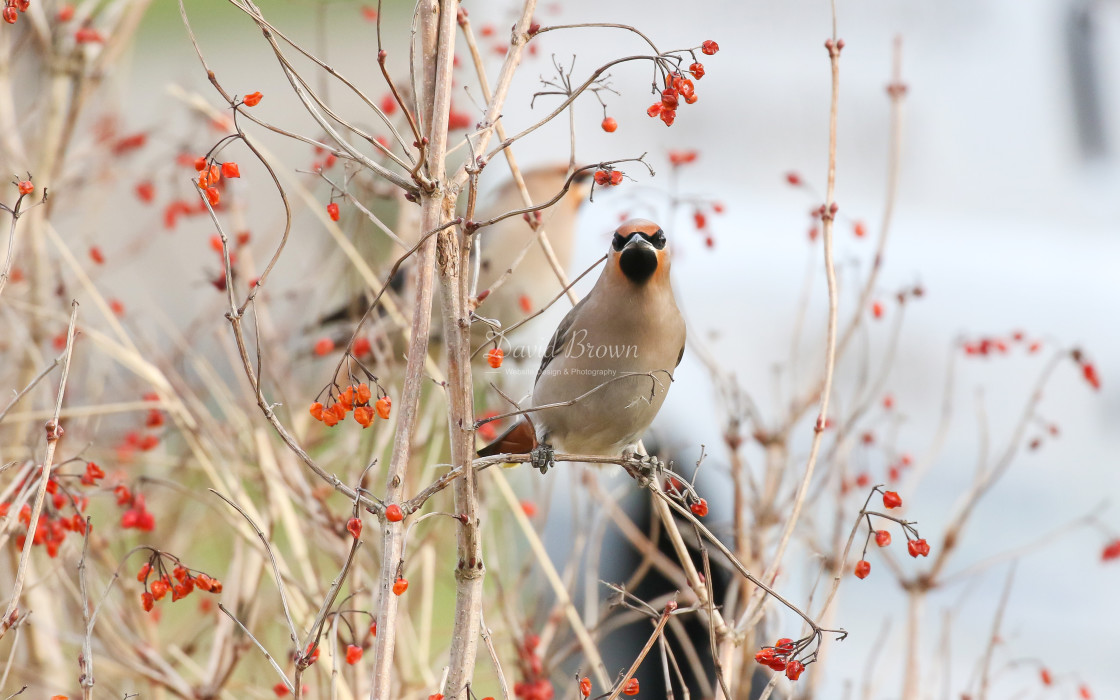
(657, 240)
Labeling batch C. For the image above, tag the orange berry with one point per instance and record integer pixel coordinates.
(26, 187)
(400, 586)
(346, 398)
(700, 508)
(317, 410)
(200, 163)
(96, 255)
(384, 404)
(213, 195)
(323, 346)
(231, 170)
(609, 125)
(585, 687)
(494, 357)
(631, 687)
(253, 99)
(860, 229)
(364, 416)
(363, 394)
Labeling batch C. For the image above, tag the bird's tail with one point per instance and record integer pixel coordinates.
(519, 438)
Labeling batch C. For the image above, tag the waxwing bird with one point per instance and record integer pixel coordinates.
(533, 281)
(608, 367)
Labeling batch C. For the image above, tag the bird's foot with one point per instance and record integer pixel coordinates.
(542, 457)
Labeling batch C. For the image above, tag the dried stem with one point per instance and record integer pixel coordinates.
(54, 434)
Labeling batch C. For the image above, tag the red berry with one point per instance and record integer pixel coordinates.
(700, 508)
(917, 547)
(654, 109)
(323, 346)
(354, 527)
(362, 346)
(877, 309)
(609, 125)
(794, 670)
(145, 191)
(1091, 376)
(1044, 675)
(668, 116)
(882, 538)
(147, 601)
(353, 654)
(96, 255)
(528, 508)
(400, 586)
(230, 170)
(602, 178)
(891, 499)
(860, 229)
(793, 178)
(200, 163)
(66, 13)
(709, 47)
(697, 70)
(393, 513)
(280, 690)
(585, 687)
(11, 16)
(631, 687)
(863, 568)
(332, 211)
(253, 99)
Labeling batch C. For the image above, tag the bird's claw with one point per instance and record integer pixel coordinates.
(542, 457)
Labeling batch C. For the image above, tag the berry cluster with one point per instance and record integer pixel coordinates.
(354, 398)
(53, 526)
(535, 685)
(915, 545)
(137, 514)
(780, 657)
(677, 87)
(13, 8)
(210, 174)
(988, 346)
(608, 177)
(181, 582)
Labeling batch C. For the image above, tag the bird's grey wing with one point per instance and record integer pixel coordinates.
(559, 338)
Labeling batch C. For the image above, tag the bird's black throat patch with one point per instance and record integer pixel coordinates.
(638, 263)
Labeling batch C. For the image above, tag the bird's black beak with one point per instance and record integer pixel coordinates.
(638, 260)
